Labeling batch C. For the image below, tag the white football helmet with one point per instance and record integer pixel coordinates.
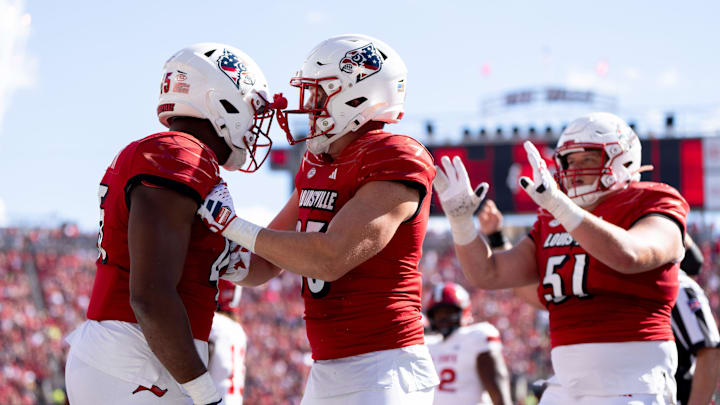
(364, 80)
(222, 84)
(620, 159)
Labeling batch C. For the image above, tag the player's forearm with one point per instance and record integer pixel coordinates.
(495, 270)
(493, 374)
(499, 390)
(164, 322)
(261, 271)
(707, 372)
(476, 262)
(310, 254)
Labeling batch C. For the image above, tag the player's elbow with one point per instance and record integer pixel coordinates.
(146, 302)
(332, 259)
(626, 263)
(141, 305)
(331, 268)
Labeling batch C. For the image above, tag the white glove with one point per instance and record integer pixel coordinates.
(239, 264)
(458, 199)
(545, 192)
(202, 390)
(218, 214)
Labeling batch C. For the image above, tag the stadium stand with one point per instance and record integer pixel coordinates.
(46, 276)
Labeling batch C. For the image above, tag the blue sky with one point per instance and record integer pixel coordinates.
(79, 80)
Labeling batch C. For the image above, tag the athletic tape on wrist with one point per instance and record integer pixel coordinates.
(569, 214)
(202, 390)
(463, 230)
(242, 232)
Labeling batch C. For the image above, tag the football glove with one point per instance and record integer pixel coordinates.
(545, 192)
(218, 214)
(239, 264)
(459, 201)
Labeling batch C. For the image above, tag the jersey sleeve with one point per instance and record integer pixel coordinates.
(664, 200)
(398, 158)
(481, 338)
(176, 162)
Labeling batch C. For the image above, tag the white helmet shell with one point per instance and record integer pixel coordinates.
(364, 80)
(621, 156)
(224, 85)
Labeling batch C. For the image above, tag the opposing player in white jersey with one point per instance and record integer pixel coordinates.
(228, 345)
(468, 357)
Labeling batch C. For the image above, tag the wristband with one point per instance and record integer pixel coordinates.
(202, 390)
(463, 230)
(496, 239)
(242, 232)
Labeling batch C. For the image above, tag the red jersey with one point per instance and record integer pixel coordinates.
(588, 301)
(173, 160)
(376, 305)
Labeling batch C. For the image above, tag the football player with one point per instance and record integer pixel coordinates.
(228, 343)
(154, 295)
(605, 250)
(353, 228)
(467, 356)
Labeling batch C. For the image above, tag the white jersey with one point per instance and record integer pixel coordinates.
(227, 361)
(455, 359)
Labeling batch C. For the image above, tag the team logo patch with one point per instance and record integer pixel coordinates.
(181, 87)
(311, 173)
(363, 62)
(235, 69)
(222, 216)
(155, 390)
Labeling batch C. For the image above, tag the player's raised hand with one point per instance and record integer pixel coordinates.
(459, 201)
(490, 218)
(452, 184)
(545, 192)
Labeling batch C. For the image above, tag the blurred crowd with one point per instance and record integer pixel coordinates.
(46, 277)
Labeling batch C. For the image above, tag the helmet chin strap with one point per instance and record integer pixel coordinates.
(236, 160)
(586, 195)
(238, 155)
(321, 144)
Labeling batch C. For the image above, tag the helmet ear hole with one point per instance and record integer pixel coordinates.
(229, 107)
(356, 102)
